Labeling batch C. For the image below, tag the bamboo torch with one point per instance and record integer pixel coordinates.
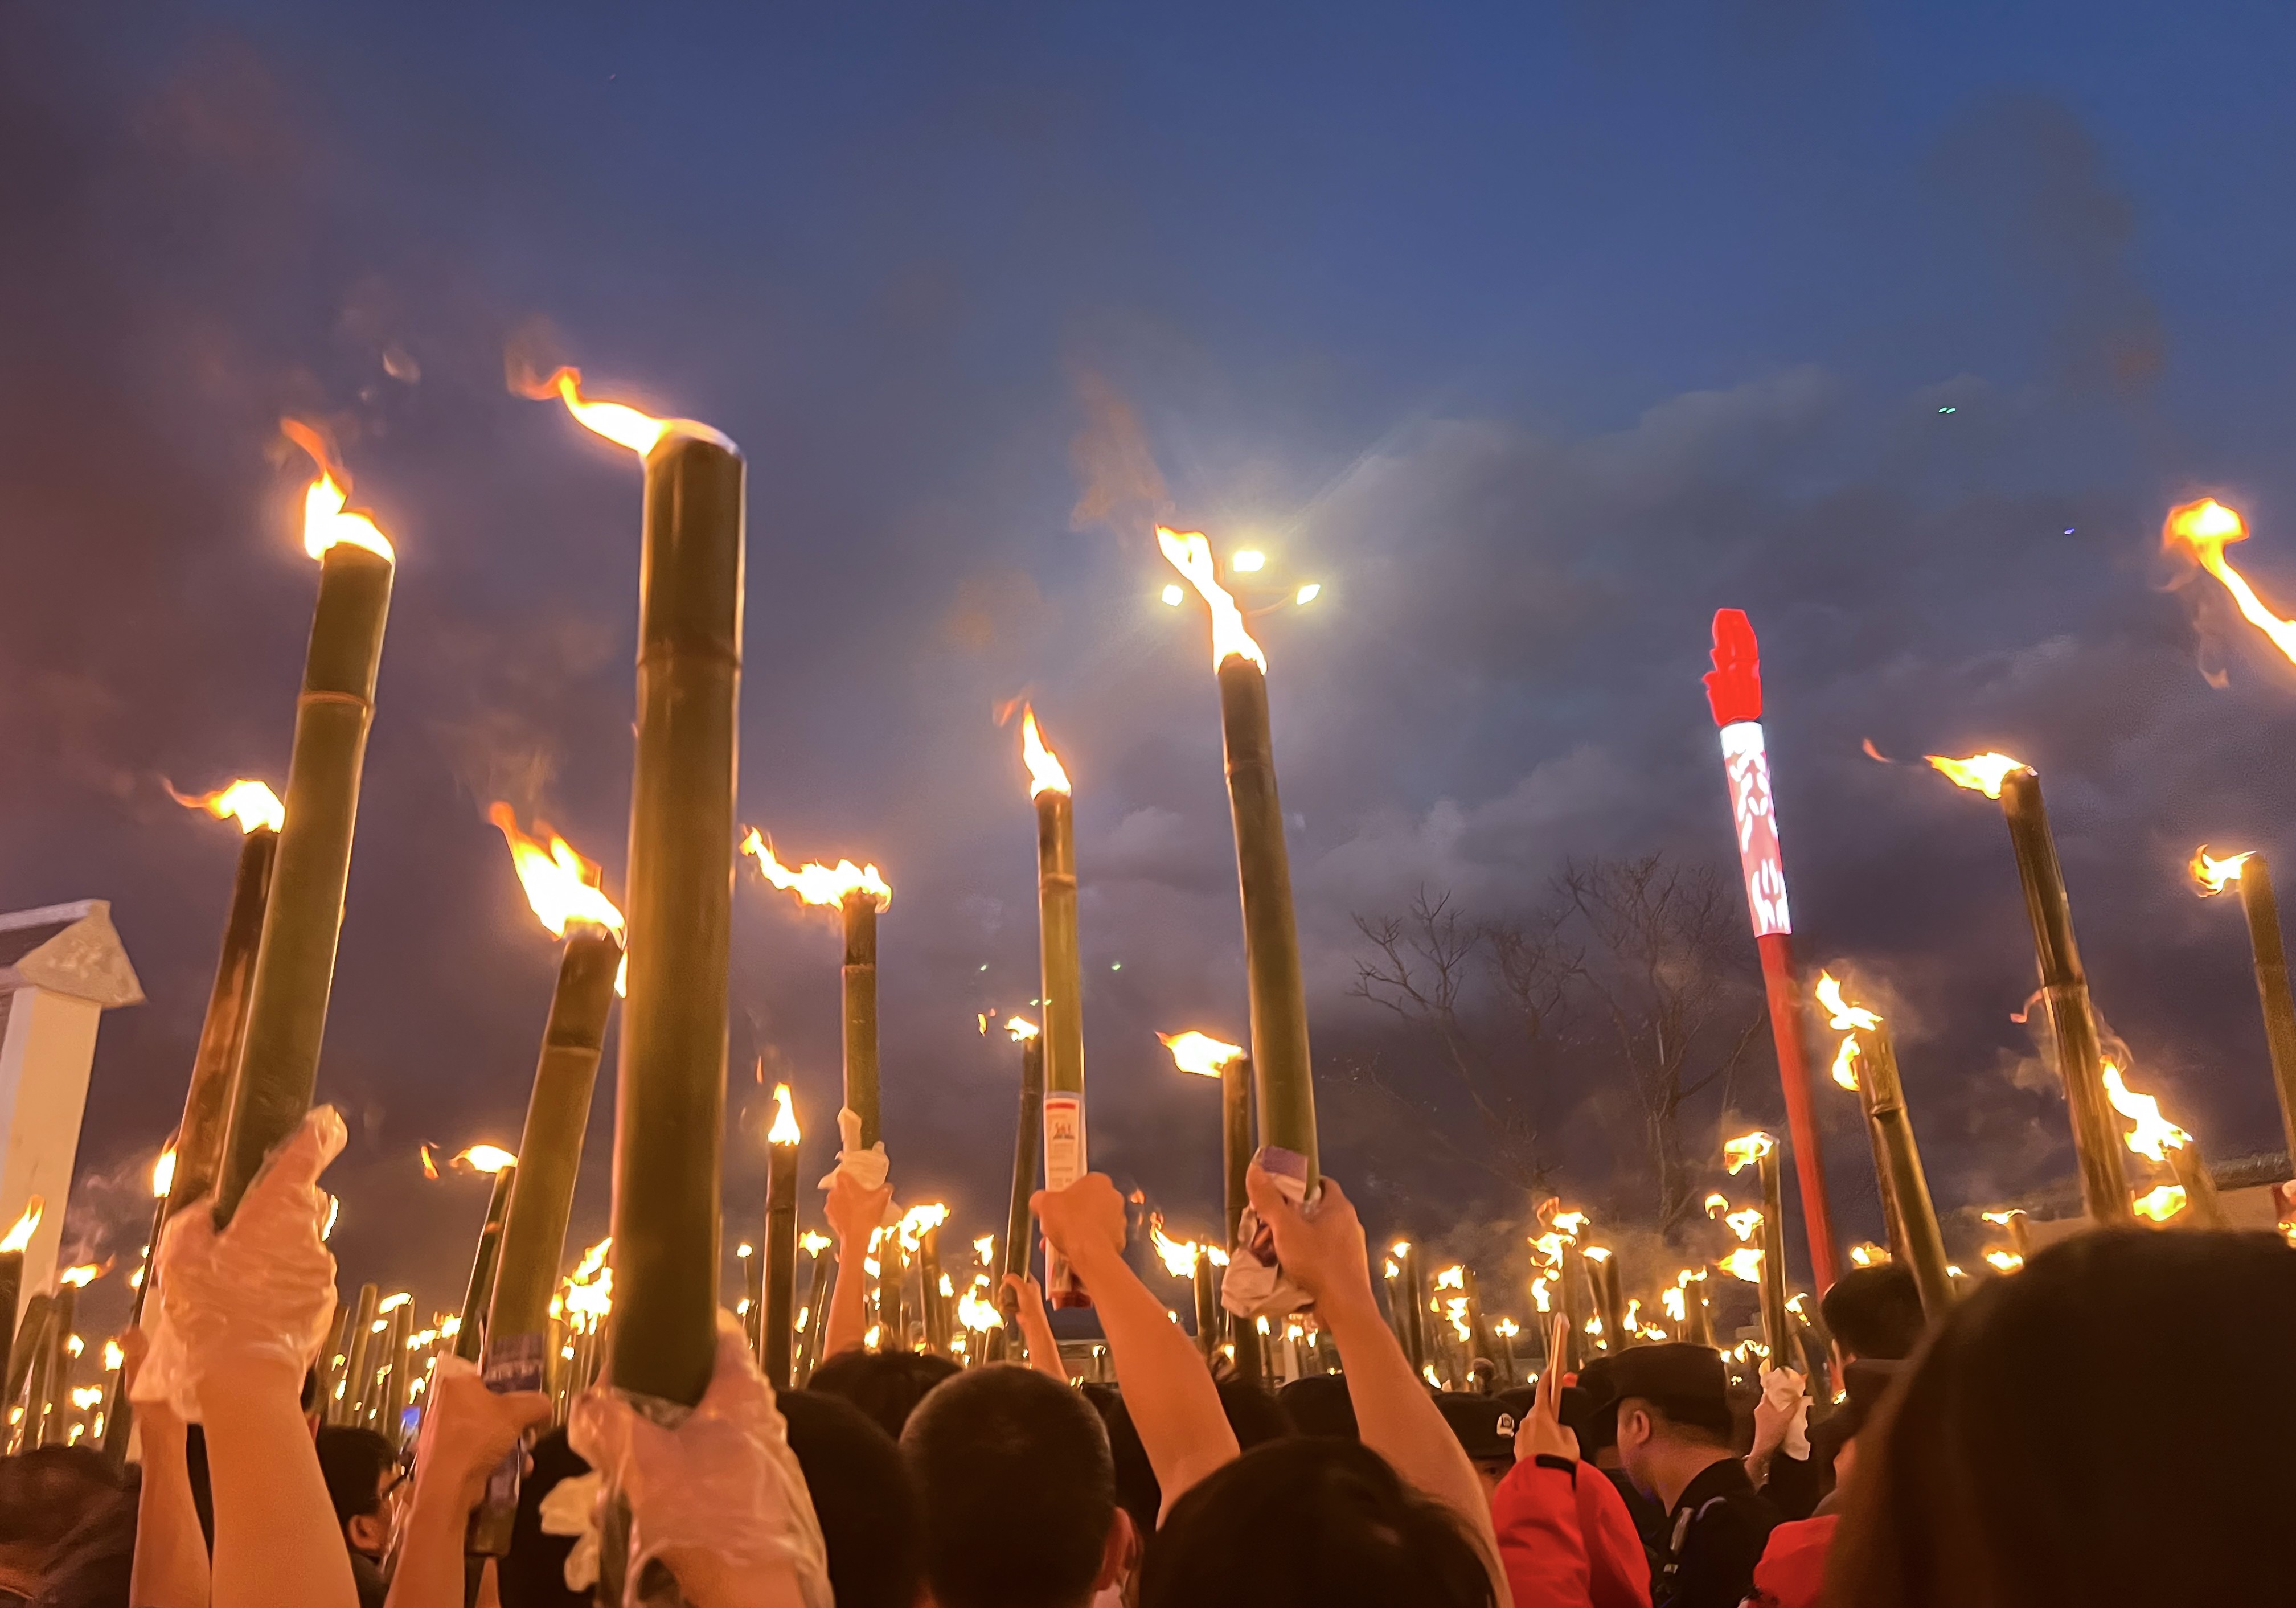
(357, 1364)
(1607, 1304)
(2253, 872)
(1283, 1071)
(1761, 1151)
(670, 1096)
(501, 1167)
(12, 1288)
(776, 1334)
(906, 1248)
(2158, 1139)
(2064, 987)
(1733, 692)
(1204, 1057)
(1867, 1062)
(860, 895)
(1415, 1302)
(214, 1064)
(1067, 1153)
(816, 1304)
(118, 1412)
(1020, 1231)
(294, 966)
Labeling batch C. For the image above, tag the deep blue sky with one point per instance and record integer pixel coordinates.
(1535, 334)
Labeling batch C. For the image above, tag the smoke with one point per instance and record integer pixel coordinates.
(1122, 488)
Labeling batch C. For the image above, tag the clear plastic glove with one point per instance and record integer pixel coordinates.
(256, 1297)
(468, 1430)
(1782, 1417)
(719, 1500)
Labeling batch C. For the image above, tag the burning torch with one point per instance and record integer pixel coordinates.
(2262, 907)
(860, 895)
(1066, 1152)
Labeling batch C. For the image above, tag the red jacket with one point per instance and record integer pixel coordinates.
(1566, 1539)
(1791, 1574)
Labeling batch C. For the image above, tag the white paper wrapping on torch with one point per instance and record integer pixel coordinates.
(1254, 1285)
(866, 1167)
(1066, 1158)
(1755, 812)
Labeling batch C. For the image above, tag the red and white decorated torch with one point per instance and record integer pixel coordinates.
(1733, 688)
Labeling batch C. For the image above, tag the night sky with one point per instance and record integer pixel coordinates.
(1534, 335)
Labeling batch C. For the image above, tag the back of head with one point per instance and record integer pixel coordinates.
(1138, 1491)
(1311, 1519)
(2105, 1427)
(1320, 1405)
(1681, 1387)
(45, 1493)
(887, 1385)
(1254, 1414)
(534, 1574)
(861, 1495)
(1875, 1312)
(353, 1459)
(1018, 1489)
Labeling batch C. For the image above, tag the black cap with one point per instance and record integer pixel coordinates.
(1482, 1423)
(1673, 1372)
(1319, 1405)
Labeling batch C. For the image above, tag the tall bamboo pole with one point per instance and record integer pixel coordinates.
(1906, 1186)
(214, 1064)
(1020, 1229)
(1235, 1161)
(359, 1367)
(1577, 1295)
(671, 1087)
(56, 1408)
(860, 1001)
(932, 1308)
(11, 1287)
(1208, 1306)
(1414, 1300)
(1597, 1260)
(2262, 907)
(1067, 1151)
(471, 1328)
(2198, 1185)
(892, 1275)
(778, 1255)
(399, 1361)
(1777, 1323)
(1697, 1321)
(816, 1316)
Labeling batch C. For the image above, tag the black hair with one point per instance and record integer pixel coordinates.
(1875, 1312)
(1315, 1520)
(1138, 1491)
(861, 1494)
(533, 1575)
(1253, 1413)
(46, 1491)
(2104, 1427)
(1320, 1405)
(1692, 1417)
(1018, 1489)
(887, 1385)
(352, 1458)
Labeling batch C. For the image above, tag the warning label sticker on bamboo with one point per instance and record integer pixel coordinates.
(514, 1362)
(1064, 1146)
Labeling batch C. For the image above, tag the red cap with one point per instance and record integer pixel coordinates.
(1734, 686)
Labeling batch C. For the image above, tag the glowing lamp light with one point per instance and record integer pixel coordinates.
(252, 801)
(1044, 772)
(1308, 594)
(1199, 1052)
(784, 1130)
(814, 883)
(2214, 876)
(1979, 773)
(561, 885)
(1173, 595)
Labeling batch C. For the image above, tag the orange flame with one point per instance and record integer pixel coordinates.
(2213, 875)
(1979, 773)
(1845, 1061)
(1199, 1052)
(1044, 772)
(784, 1130)
(1022, 1028)
(2203, 529)
(1192, 556)
(2160, 1203)
(623, 425)
(1568, 1223)
(814, 883)
(561, 885)
(487, 1159)
(27, 1226)
(85, 1274)
(163, 1174)
(430, 1163)
(1844, 1016)
(2155, 1135)
(2003, 1261)
(1178, 1256)
(917, 1221)
(254, 802)
(325, 520)
(1743, 1263)
(1746, 1149)
(1868, 1255)
(1743, 1223)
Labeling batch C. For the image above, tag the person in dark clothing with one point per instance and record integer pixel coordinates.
(870, 1525)
(361, 1469)
(1320, 1405)
(1589, 1409)
(1874, 1313)
(534, 1574)
(1674, 1430)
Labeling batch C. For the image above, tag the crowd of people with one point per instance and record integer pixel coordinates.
(2101, 1428)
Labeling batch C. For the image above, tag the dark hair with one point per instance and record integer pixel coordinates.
(1138, 1491)
(1320, 1405)
(861, 1495)
(1875, 1311)
(1018, 1488)
(1692, 1417)
(887, 1385)
(1315, 1520)
(47, 1490)
(1253, 1413)
(352, 1458)
(2104, 1427)
(534, 1574)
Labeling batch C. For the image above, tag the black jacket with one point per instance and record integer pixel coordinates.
(1716, 1534)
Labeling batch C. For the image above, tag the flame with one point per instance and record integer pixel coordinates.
(1506, 1328)
(1044, 772)
(1178, 1256)
(974, 1313)
(917, 1219)
(112, 1357)
(2001, 1218)
(391, 1303)
(814, 883)
(1454, 1277)
(1218, 1256)
(784, 1130)
(1743, 1223)
(325, 520)
(430, 1163)
(814, 1244)
(1392, 1269)
(1456, 1310)
(1845, 1061)
(335, 1210)
(1676, 1308)
(561, 885)
(985, 1248)
(2212, 874)
(592, 1260)
(163, 1174)
(2004, 1261)
(1540, 1296)
(1022, 1028)
(622, 425)
(1400, 1248)
(1979, 773)
(1632, 1321)
(1868, 1255)
(1192, 556)
(83, 1275)
(1746, 1149)
(1568, 1223)
(1199, 1052)
(1743, 1263)
(2160, 1203)
(1843, 1015)
(1716, 1205)
(2155, 1135)
(1596, 1253)
(489, 1159)
(252, 801)
(2203, 529)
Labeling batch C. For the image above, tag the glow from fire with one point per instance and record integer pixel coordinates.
(1199, 1052)
(1676, 1308)
(1842, 1016)
(489, 1159)
(561, 885)
(1868, 1255)
(2160, 1203)
(985, 1248)
(2203, 529)
(976, 1313)
(1979, 773)
(1596, 1253)
(163, 1174)
(2213, 875)
(918, 1220)
(1567, 1224)
(83, 1275)
(1743, 1263)
(1178, 1256)
(1540, 1295)
(1506, 1328)
(252, 801)
(1192, 556)
(2000, 1217)
(1456, 1310)
(1743, 1223)
(325, 522)
(1716, 1205)
(813, 1243)
(814, 883)
(1021, 1030)
(1845, 1062)
(1454, 1277)
(2155, 1135)
(2003, 1261)
(1046, 773)
(784, 1130)
(623, 425)
(1746, 1149)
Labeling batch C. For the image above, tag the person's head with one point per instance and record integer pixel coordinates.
(1320, 1405)
(861, 1495)
(1014, 1478)
(1673, 1412)
(1589, 1409)
(1874, 1312)
(2105, 1427)
(1253, 1413)
(1138, 1492)
(1486, 1432)
(361, 1468)
(887, 1385)
(45, 1495)
(534, 1573)
(1311, 1519)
